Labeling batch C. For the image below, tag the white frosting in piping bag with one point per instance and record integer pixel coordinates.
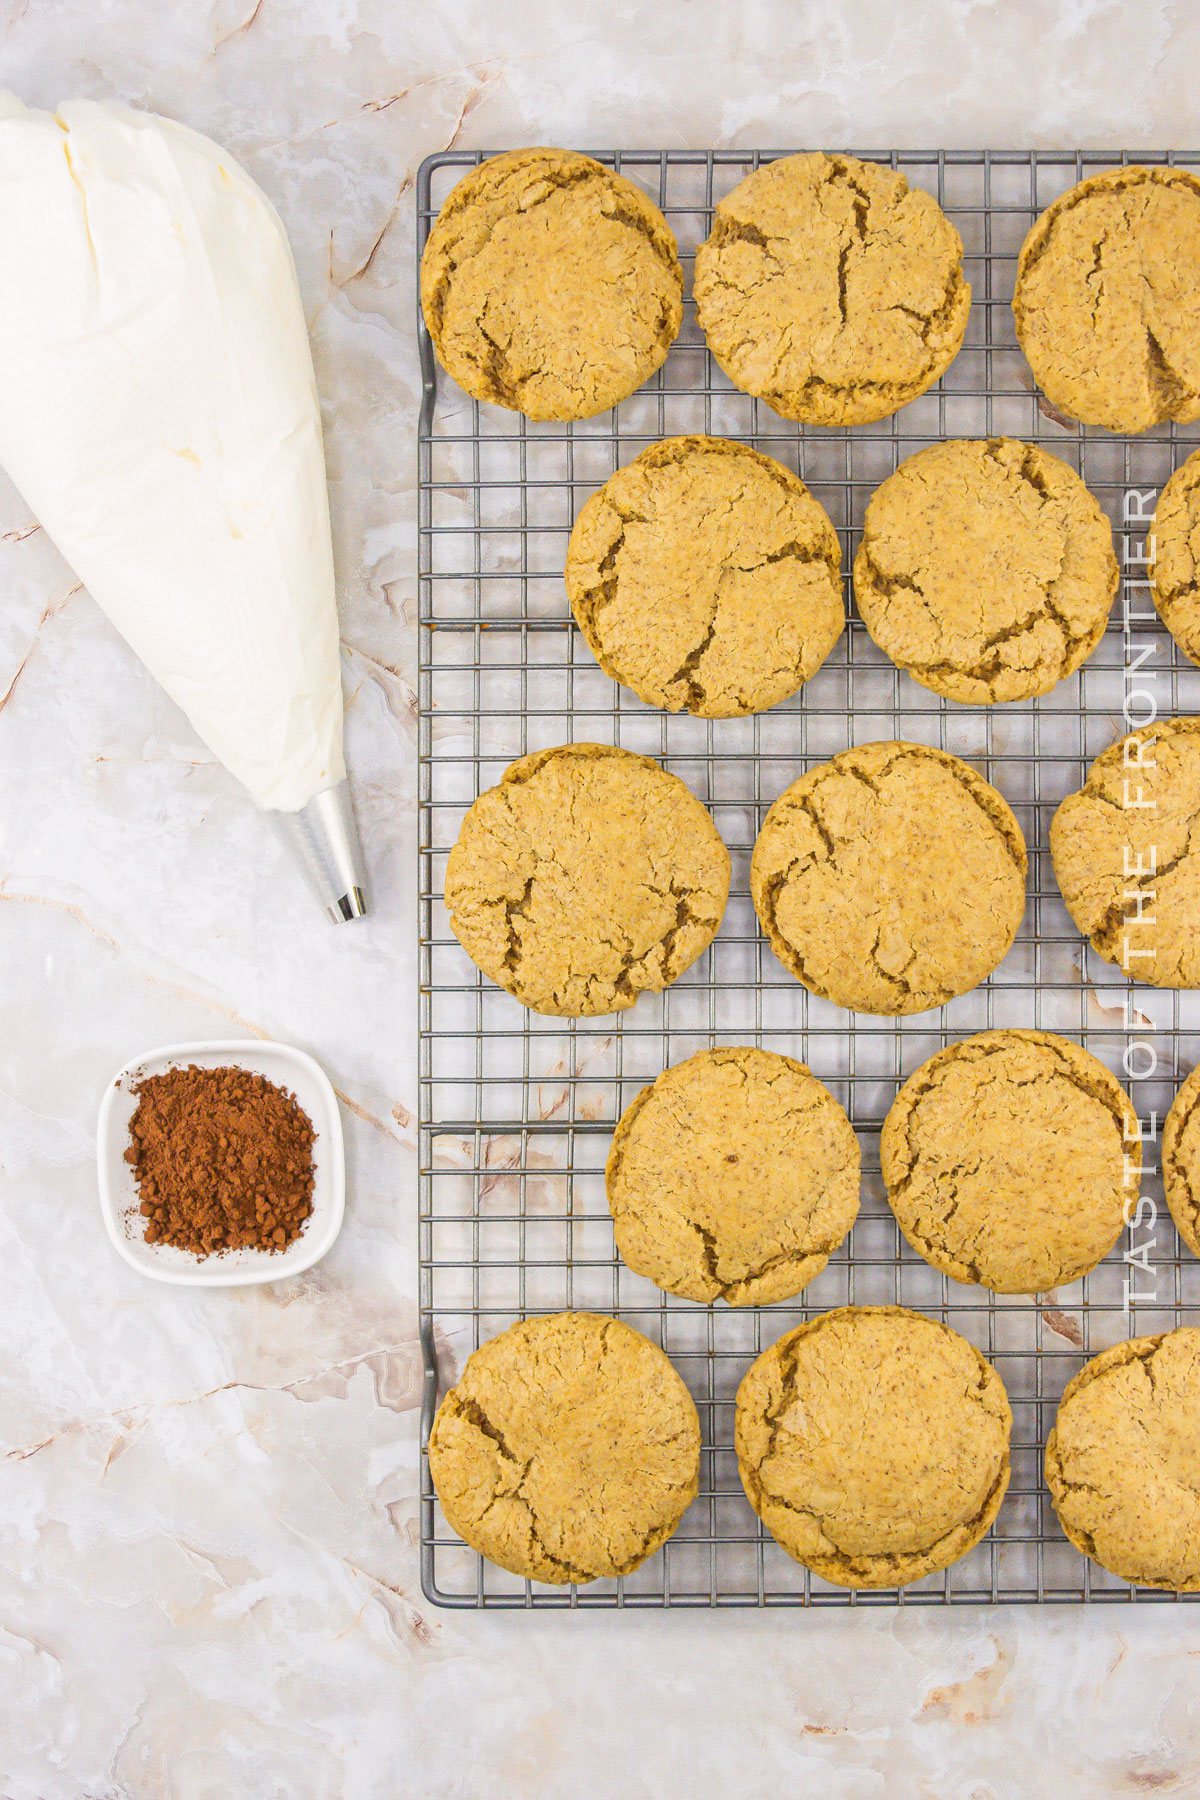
(158, 412)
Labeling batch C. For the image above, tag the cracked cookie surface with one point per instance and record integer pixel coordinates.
(550, 285)
(1181, 1161)
(1107, 300)
(1123, 1460)
(704, 575)
(890, 879)
(1175, 540)
(831, 289)
(873, 1443)
(1126, 854)
(568, 1449)
(733, 1177)
(1004, 1160)
(986, 569)
(586, 877)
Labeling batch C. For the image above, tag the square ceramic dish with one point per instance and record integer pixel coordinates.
(288, 1068)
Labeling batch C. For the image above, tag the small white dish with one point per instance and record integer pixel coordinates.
(288, 1068)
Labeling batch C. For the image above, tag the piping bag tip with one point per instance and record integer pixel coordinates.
(323, 840)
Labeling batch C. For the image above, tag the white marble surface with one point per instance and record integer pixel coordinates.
(208, 1580)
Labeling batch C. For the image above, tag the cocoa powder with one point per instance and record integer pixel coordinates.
(223, 1160)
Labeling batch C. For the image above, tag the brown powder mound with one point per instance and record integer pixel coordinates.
(223, 1160)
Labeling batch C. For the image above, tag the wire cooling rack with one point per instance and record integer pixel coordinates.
(516, 1111)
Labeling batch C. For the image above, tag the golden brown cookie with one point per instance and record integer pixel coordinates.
(550, 285)
(986, 569)
(704, 575)
(1107, 301)
(1126, 854)
(1175, 550)
(831, 289)
(1004, 1158)
(873, 1444)
(733, 1177)
(568, 1449)
(586, 877)
(1181, 1161)
(890, 879)
(1123, 1460)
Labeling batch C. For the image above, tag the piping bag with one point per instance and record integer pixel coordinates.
(159, 414)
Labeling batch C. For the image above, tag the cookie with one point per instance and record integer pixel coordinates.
(733, 1178)
(1181, 1161)
(1175, 550)
(1123, 1460)
(704, 575)
(1126, 854)
(831, 289)
(1009, 1160)
(986, 570)
(586, 877)
(873, 1444)
(890, 879)
(550, 285)
(1107, 299)
(568, 1449)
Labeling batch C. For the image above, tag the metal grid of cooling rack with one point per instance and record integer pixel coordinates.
(516, 1111)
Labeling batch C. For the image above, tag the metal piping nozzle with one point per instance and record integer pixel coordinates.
(323, 840)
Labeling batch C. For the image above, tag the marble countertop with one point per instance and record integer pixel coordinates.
(208, 1574)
